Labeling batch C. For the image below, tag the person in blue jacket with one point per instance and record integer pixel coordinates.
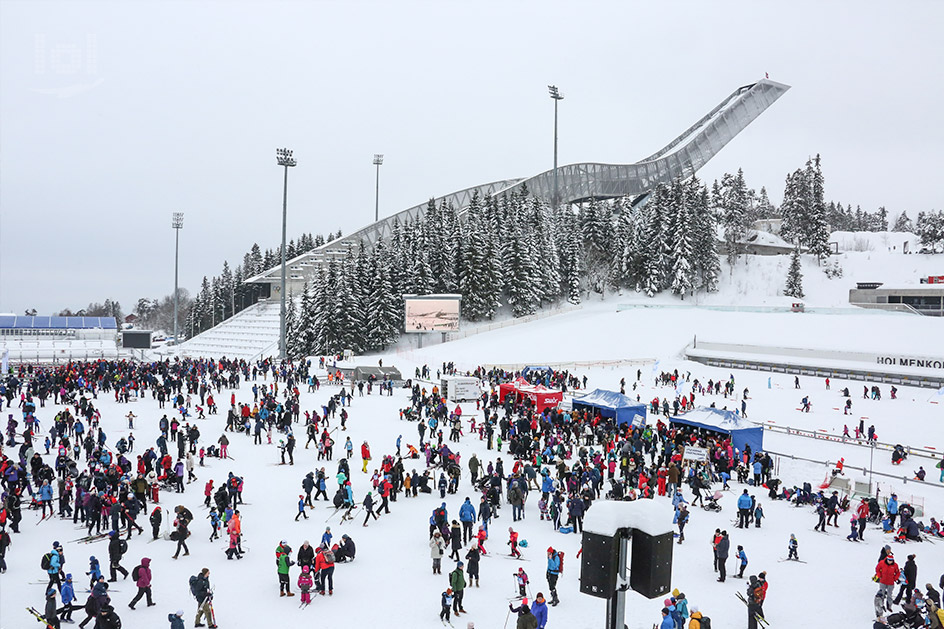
(547, 485)
(744, 509)
(95, 571)
(45, 497)
(667, 621)
(326, 538)
(758, 470)
(539, 610)
(892, 508)
(176, 619)
(55, 566)
(467, 517)
(68, 595)
(742, 557)
(553, 572)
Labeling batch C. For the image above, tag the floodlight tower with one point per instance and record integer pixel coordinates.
(283, 157)
(378, 160)
(177, 222)
(557, 96)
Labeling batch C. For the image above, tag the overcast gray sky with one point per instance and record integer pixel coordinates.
(113, 115)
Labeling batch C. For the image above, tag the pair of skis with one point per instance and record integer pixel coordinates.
(760, 619)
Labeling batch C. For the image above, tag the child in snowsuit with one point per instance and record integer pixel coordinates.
(95, 571)
(513, 542)
(214, 518)
(481, 537)
(758, 515)
(304, 584)
(743, 557)
(792, 548)
(522, 578)
(446, 602)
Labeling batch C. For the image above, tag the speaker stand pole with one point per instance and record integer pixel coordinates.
(616, 604)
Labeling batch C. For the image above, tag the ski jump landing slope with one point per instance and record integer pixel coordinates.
(681, 157)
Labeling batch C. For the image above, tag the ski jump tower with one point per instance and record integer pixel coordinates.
(680, 158)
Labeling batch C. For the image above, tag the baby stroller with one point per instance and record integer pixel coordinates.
(712, 502)
(908, 617)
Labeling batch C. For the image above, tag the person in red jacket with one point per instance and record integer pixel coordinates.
(365, 455)
(208, 492)
(862, 513)
(886, 573)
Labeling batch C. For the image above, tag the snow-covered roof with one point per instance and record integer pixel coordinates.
(726, 420)
(649, 516)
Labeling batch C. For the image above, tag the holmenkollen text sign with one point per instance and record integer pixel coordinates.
(934, 364)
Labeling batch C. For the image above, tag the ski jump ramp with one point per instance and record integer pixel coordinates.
(681, 158)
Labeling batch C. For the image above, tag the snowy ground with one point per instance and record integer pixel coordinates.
(393, 570)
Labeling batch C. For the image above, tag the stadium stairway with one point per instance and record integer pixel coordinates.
(250, 334)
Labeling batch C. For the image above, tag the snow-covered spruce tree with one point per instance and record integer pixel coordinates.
(543, 250)
(473, 268)
(681, 256)
(655, 249)
(705, 242)
(818, 227)
(384, 308)
(903, 223)
(734, 201)
(595, 228)
(793, 209)
(930, 229)
(520, 286)
(304, 341)
(794, 285)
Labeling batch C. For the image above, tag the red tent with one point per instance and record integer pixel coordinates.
(541, 396)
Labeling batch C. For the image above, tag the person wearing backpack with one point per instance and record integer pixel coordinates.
(698, 620)
(554, 569)
(52, 564)
(117, 547)
(142, 578)
(200, 588)
(324, 567)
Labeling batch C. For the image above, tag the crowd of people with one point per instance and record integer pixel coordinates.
(569, 459)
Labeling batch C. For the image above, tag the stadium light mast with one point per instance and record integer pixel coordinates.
(378, 160)
(177, 222)
(283, 157)
(557, 96)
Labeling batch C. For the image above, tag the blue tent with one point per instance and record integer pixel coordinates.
(612, 404)
(742, 432)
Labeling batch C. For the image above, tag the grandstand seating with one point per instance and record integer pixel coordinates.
(45, 349)
(250, 334)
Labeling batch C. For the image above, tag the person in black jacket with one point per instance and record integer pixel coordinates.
(306, 555)
(117, 547)
(346, 550)
(911, 578)
(107, 618)
(52, 619)
(201, 591)
(721, 552)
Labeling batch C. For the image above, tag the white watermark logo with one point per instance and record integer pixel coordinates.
(68, 68)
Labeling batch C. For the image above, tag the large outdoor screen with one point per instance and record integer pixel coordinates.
(431, 313)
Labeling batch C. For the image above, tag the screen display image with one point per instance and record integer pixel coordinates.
(431, 315)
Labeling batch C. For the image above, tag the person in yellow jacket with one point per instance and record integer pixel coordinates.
(695, 622)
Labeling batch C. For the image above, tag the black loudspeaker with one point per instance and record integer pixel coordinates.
(599, 565)
(651, 564)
